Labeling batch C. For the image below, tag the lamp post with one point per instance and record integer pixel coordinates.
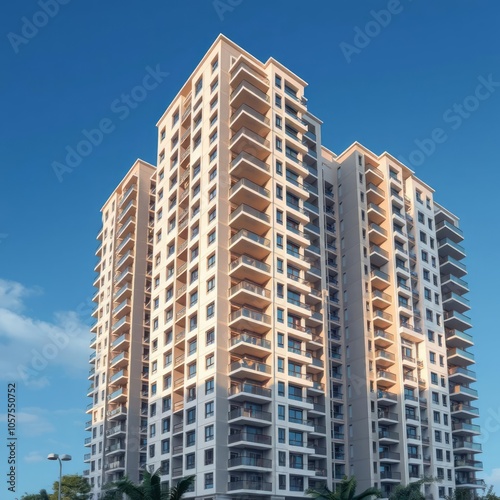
(61, 458)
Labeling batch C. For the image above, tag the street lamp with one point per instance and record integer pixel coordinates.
(61, 458)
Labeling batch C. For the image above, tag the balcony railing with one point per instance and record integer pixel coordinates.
(250, 437)
(247, 388)
(250, 339)
(245, 312)
(251, 365)
(250, 413)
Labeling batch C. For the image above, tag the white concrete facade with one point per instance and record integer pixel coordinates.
(305, 308)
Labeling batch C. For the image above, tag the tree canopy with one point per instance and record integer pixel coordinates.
(150, 488)
(345, 490)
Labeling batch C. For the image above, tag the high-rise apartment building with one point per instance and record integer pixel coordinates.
(119, 363)
(302, 311)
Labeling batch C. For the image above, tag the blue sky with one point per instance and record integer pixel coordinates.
(388, 80)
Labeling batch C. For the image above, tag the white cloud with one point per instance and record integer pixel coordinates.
(493, 479)
(31, 348)
(36, 421)
(33, 457)
(12, 295)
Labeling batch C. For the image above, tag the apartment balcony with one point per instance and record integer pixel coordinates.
(381, 319)
(315, 365)
(304, 379)
(297, 236)
(246, 368)
(122, 293)
(455, 302)
(380, 299)
(126, 244)
(410, 332)
(302, 215)
(404, 290)
(445, 229)
(465, 429)
(387, 417)
(247, 318)
(245, 139)
(119, 361)
(385, 378)
(114, 449)
(317, 451)
(379, 279)
(383, 338)
(386, 398)
(247, 343)
(116, 431)
(398, 216)
(299, 355)
(248, 218)
(297, 188)
(459, 375)
(459, 357)
(464, 411)
(467, 482)
(122, 308)
(462, 393)
(378, 256)
(245, 266)
(248, 416)
(243, 438)
(456, 338)
(121, 326)
(244, 462)
(127, 225)
(243, 70)
(390, 477)
(463, 446)
(119, 378)
(249, 487)
(247, 93)
(376, 214)
(248, 392)
(373, 175)
(451, 283)
(466, 465)
(386, 436)
(86, 458)
(118, 413)
(250, 293)
(376, 234)
(247, 242)
(384, 358)
(119, 396)
(389, 457)
(246, 116)
(127, 211)
(247, 165)
(447, 247)
(374, 194)
(449, 265)
(246, 192)
(456, 321)
(124, 276)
